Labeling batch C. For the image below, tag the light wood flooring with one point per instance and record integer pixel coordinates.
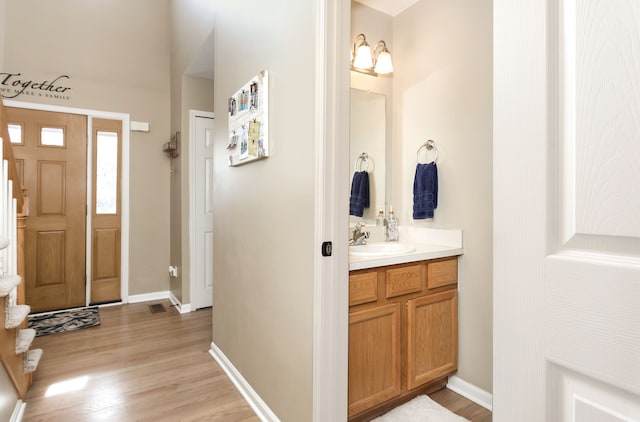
(461, 406)
(141, 366)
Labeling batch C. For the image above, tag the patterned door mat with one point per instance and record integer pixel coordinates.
(60, 322)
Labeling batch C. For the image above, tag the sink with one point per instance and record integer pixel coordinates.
(380, 249)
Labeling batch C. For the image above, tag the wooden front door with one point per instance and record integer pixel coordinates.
(52, 160)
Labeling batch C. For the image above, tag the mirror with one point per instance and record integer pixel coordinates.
(368, 135)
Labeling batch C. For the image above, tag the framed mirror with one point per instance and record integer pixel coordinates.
(368, 136)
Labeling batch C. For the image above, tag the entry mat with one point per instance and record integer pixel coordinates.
(60, 322)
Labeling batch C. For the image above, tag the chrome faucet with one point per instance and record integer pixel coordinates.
(359, 235)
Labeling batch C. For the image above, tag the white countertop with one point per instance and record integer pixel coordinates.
(421, 253)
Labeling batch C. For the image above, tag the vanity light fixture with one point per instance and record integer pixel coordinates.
(364, 60)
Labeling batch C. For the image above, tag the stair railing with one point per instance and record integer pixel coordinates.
(15, 338)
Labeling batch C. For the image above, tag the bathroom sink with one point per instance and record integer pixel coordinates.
(380, 249)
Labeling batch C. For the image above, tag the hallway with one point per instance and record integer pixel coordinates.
(138, 366)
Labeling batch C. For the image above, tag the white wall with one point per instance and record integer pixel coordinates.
(264, 211)
(443, 91)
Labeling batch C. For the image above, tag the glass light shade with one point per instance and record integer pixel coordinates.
(363, 58)
(383, 63)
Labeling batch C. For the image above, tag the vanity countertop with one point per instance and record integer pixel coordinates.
(422, 252)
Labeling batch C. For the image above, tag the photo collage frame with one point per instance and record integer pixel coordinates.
(248, 115)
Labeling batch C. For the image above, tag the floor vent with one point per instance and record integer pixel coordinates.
(157, 308)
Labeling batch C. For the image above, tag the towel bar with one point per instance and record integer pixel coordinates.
(362, 158)
(429, 145)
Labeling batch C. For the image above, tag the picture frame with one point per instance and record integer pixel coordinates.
(248, 121)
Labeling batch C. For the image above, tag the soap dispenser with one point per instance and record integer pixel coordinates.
(380, 218)
(392, 232)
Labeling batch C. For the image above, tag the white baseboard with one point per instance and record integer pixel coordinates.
(146, 297)
(18, 411)
(470, 391)
(183, 309)
(257, 404)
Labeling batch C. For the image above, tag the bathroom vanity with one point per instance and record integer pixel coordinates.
(403, 327)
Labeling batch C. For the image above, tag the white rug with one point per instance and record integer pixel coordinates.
(420, 409)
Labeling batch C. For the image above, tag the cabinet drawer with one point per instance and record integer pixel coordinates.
(363, 288)
(442, 273)
(404, 280)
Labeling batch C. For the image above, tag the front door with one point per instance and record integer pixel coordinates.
(52, 160)
(566, 211)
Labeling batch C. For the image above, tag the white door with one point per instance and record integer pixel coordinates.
(567, 210)
(202, 209)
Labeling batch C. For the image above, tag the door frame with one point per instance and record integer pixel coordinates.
(193, 114)
(331, 217)
(126, 124)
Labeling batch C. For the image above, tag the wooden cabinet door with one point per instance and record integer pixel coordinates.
(432, 337)
(374, 357)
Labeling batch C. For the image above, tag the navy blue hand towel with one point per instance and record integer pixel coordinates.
(425, 191)
(359, 199)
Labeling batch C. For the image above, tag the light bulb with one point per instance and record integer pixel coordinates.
(363, 58)
(383, 63)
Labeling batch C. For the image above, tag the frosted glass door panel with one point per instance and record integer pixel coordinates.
(107, 173)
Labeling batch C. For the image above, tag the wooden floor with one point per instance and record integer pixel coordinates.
(140, 366)
(461, 406)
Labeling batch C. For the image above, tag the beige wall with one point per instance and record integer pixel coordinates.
(375, 26)
(2, 25)
(443, 91)
(191, 23)
(197, 94)
(264, 211)
(124, 70)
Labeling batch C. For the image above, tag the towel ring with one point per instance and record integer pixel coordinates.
(429, 145)
(362, 159)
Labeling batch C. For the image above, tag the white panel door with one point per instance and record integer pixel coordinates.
(203, 212)
(567, 210)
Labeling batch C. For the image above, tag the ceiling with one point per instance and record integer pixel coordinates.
(202, 65)
(390, 7)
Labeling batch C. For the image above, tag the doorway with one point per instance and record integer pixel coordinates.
(74, 249)
(201, 199)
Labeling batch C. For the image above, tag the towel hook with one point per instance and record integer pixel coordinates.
(429, 145)
(362, 159)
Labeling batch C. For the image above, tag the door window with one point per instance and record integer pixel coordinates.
(15, 133)
(52, 137)
(106, 172)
